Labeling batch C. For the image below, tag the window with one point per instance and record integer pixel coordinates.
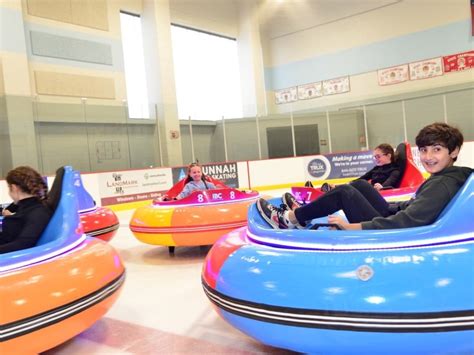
(207, 75)
(134, 62)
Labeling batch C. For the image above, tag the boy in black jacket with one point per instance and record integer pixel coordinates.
(365, 208)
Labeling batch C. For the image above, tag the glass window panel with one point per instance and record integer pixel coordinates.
(318, 133)
(241, 137)
(207, 141)
(347, 131)
(422, 112)
(143, 145)
(269, 143)
(460, 112)
(53, 137)
(385, 124)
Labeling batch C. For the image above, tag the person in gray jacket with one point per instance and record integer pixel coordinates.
(439, 145)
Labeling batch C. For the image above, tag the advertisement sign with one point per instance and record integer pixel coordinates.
(133, 185)
(336, 86)
(416, 159)
(310, 91)
(215, 195)
(393, 75)
(426, 69)
(4, 196)
(338, 166)
(286, 95)
(227, 173)
(458, 62)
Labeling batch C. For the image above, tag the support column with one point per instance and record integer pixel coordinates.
(251, 61)
(156, 25)
(18, 144)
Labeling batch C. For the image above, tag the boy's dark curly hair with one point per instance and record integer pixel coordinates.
(442, 134)
(29, 181)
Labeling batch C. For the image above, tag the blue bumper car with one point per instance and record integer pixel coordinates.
(400, 291)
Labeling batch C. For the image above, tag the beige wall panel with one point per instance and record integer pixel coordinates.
(90, 13)
(117, 77)
(59, 10)
(11, 4)
(120, 88)
(15, 78)
(2, 86)
(114, 8)
(49, 83)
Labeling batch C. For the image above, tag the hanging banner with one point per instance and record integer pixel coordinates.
(393, 75)
(133, 185)
(225, 172)
(336, 86)
(426, 69)
(310, 91)
(286, 95)
(458, 62)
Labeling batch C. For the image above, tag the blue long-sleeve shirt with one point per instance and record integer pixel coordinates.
(193, 186)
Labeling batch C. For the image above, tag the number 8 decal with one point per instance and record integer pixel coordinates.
(232, 195)
(200, 198)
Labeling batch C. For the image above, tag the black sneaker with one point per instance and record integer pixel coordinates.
(308, 184)
(272, 215)
(326, 187)
(290, 200)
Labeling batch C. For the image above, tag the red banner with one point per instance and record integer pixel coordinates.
(458, 62)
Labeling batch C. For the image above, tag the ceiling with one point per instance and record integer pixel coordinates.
(280, 18)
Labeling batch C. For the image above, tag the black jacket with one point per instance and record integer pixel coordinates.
(429, 201)
(386, 175)
(23, 229)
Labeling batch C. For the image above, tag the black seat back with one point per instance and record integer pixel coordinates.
(54, 194)
(401, 160)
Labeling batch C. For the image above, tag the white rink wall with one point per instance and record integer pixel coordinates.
(118, 187)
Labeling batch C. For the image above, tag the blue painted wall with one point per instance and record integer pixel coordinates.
(443, 40)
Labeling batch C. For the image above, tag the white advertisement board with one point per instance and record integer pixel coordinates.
(133, 185)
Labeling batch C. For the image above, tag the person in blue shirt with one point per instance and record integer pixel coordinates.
(195, 181)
